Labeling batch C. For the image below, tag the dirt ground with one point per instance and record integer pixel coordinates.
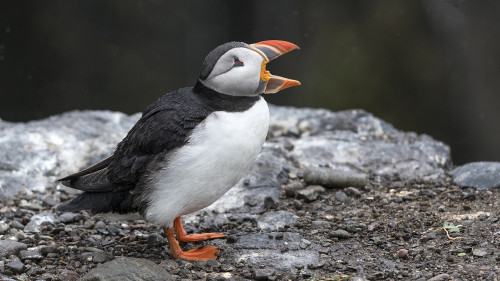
(389, 230)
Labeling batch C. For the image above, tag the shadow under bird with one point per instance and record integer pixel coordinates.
(189, 147)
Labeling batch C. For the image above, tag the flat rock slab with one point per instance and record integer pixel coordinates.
(480, 175)
(127, 269)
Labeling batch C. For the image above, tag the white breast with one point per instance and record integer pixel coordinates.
(219, 152)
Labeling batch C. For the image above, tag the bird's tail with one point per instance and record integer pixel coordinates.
(100, 202)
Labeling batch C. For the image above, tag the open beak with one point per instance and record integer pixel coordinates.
(270, 50)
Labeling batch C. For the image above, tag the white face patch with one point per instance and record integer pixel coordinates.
(226, 78)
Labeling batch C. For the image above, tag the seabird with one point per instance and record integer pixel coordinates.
(189, 147)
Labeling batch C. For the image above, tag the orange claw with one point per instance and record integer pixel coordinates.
(198, 253)
(182, 237)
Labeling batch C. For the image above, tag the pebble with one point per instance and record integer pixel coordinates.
(292, 188)
(49, 201)
(156, 240)
(99, 225)
(69, 217)
(334, 178)
(479, 252)
(403, 253)
(297, 204)
(34, 226)
(17, 225)
(352, 191)
(9, 247)
(30, 255)
(16, 266)
(441, 277)
(342, 197)
(3, 227)
(45, 250)
(213, 263)
(320, 224)
(114, 231)
(340, 233)
(310, 193)
(429, 236)
(30, 206)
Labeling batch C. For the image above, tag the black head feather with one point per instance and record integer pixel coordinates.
(212, 58)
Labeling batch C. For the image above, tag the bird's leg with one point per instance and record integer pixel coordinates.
(198, 253)
(181, 235)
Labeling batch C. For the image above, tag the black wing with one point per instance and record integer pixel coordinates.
(165, 125)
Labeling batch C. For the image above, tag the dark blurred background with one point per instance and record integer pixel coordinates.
(427, 66)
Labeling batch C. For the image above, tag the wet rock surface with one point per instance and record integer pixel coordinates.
(332, 195)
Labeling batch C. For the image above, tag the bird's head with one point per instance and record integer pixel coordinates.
(239, 69)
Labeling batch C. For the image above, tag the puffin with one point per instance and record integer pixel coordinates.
(189, 147)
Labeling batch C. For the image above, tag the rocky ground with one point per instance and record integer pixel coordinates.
(333, 196)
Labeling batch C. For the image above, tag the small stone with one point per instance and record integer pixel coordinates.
(34, 226)
(403, 253)
(441, 277)
(320, 224)
(100, 257)
(88, 224)
(340, 233)
(352, 191)
(49, 201)
(9, 247)
(17, 225)
(442, 208)
(264, 274)
(69, 217)
(292, 188)
(3, 227)
(68, 275)
(479, 252)
(100, 225)
(30, 206)
(429, 236)
(213, 263)
(232, 239)
(16, 267)
(334, 178)
(310, 193)
(30, 255)
(114, 231)
(156, 240)
(342, 197)
(297, 204)
(45, 250)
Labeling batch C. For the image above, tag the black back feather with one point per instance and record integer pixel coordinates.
(164, 126)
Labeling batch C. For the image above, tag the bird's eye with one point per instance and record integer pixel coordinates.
(237, 62)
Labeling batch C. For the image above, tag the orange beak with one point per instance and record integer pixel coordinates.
(270, 50)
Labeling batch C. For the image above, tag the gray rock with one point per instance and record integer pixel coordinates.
(100, 225)
(69, 217)
(292, 188)
(34, 153)
(352, 191)
(3, 227)
(342, 197)
(156, 240)
(334, 178)
(479, 252)
(127, 269)
(480, 175)
(310, 193)
(264, 274)
(30, 255)
(16, 266)
(37, 221)
(9, 247)
(275, 220)
(320, 224)
(17, 225)
(441, 277)
(340, 233)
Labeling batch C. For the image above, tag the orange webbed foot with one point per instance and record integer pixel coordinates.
(199, 253)
(182, 237)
